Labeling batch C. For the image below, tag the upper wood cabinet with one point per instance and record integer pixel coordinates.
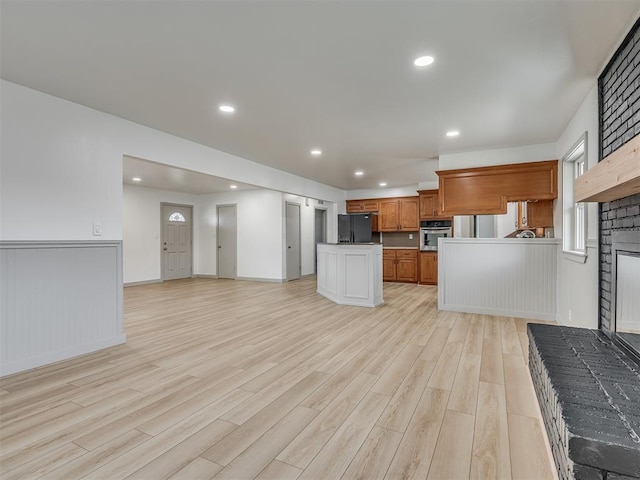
(536, 214)
(357, 206)
(429, 205)
(399, 214)
(486, 190)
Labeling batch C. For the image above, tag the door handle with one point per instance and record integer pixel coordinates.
(289, 246)
(219, 246)
(165, 248)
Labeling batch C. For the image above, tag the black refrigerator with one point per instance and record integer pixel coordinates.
(354, 228)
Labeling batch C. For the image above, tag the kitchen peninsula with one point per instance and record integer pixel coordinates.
(350, 274)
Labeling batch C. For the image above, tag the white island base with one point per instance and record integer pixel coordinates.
(350, 274)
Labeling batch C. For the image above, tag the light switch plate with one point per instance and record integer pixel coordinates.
(97, 229)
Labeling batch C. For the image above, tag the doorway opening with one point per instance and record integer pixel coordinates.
(320, 233)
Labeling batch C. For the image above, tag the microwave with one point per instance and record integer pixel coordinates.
(431, 231)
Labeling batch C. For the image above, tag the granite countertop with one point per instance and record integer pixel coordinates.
(399, 248)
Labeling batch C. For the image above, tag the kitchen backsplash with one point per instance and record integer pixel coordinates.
(400, 239)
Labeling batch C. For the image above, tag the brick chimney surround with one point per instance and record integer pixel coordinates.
(587, 386)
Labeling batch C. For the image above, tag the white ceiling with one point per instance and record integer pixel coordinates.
(163, 177)
(328, 74)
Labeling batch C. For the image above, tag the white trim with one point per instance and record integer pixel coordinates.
(60, 356)
(142, 282)
(254, 279)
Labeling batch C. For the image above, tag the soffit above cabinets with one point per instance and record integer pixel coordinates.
(614, 177)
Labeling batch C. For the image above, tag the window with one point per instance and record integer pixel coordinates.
(574, 215)
(177, 217)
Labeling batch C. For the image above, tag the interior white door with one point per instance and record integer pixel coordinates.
(176, 241)
(293, 241)
(227, 241)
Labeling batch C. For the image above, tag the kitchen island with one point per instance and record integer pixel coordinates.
(350, 274)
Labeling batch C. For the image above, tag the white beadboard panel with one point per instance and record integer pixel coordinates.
(58, 300)
(508, 277)
(350, 274)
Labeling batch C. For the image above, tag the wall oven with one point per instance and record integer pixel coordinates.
(431, 231)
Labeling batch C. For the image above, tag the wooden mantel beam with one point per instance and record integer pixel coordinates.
(614, 177)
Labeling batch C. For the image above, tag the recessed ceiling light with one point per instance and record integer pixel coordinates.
(358, 173)
(226, 108)
(423, 61)
(453, 133)
(233, 187)
(383, 184)
(316, 152)
(136, 179)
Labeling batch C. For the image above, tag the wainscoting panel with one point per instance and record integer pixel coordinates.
(58, 300)
(508, 277)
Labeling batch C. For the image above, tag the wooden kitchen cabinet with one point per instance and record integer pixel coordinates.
(399, 214)
(429, 268)
(359, 206)
(537, 214)
(399, 265)
(486, 190)
(429, 205)
(388, 265)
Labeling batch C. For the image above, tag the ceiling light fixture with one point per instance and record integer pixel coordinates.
(316, 152)
(358, 173)
(423, 61)
(233, 187)
(383, 184)
(136, 179)
(453, 133)
(226, 108)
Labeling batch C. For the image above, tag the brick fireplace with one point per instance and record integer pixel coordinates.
(588, 381)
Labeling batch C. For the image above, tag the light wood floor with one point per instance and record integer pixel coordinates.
(242, 380)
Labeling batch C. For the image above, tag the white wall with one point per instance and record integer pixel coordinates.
(259, 230)
(578, 282)
(61, 167)
(501, 156)
(142, 228)
(404, 191)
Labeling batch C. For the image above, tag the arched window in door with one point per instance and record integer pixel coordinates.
(177, 217)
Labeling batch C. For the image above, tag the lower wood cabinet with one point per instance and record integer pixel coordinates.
(429, 268)
(399, 265)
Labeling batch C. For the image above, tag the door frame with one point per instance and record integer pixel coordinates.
(286, 247)
(324, 227)
(162, 261)
(235, 262)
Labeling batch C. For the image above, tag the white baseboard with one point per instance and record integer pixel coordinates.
(143, 282)
(55, 357)
(268, 280)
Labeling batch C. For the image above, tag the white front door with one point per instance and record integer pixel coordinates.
(227, 233)
(176, 241)
(293, 241)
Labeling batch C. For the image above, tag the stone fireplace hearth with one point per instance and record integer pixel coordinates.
(588, 381)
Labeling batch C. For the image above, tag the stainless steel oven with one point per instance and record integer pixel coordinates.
(431, 231)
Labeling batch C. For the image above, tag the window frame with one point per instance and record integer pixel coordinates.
(574, 214)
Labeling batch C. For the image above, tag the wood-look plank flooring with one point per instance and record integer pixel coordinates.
(241, 380)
